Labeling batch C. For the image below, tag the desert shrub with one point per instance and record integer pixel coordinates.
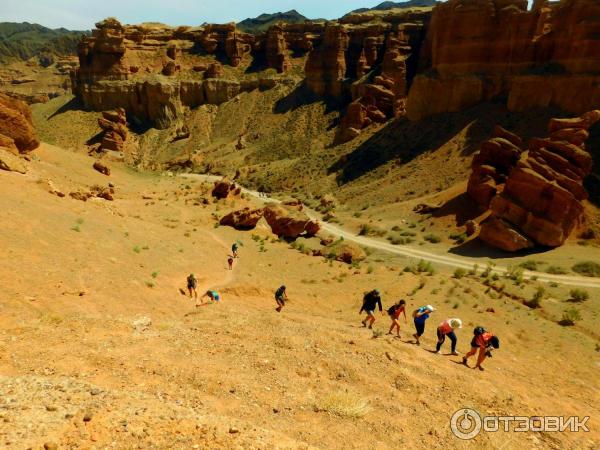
(579, 295)
(529, 265)
(587, 269)
(154, 274)
(556, 270)
(459, 273)
(474, 270)
(137, 249)
(536, 300)
(408, 233)
(432, 238)
(459, 238)
(515, 274)
(569, 317)
(343, 404)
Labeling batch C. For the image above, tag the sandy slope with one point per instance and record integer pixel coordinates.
(76, 343)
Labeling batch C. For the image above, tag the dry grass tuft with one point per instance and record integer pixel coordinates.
(343, 404)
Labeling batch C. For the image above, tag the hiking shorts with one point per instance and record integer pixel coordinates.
(370, 312)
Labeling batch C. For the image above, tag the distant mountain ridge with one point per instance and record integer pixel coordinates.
(22, 41)
(391, 5)
(264, 21)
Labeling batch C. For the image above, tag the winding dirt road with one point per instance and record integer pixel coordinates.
(412, 252)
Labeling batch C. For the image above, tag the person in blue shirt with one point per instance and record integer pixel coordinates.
(420, 316)
(212, 295)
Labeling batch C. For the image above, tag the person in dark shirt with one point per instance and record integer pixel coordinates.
(280, 298)
(192, 284)
(370, 301)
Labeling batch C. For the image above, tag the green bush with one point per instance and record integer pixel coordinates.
(536, 301)
(587, 269)
(432, 238)
(529, 265)
(459, 273)
(570, 316)
(556, 270)
(579, 295)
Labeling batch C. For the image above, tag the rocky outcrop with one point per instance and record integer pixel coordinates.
(10, 162)
(481, 50)
(491, 165)
(243, 219)
(540, 201)
(326, 65)
(225, 189)
(289, 223)
(16, 127)
(285, 221)
(114, 125)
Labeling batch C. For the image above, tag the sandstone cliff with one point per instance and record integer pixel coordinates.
(482, 50)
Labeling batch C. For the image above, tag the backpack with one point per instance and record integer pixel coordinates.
(392, 309)
(415, 312)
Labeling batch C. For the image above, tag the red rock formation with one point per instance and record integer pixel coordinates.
(491, 165)
(225, 189)
(244, 219)
(478, 50)
(326, 65)
(114, 124)
(16, 127)
(290, 224)
(276, 49)
(540, 203)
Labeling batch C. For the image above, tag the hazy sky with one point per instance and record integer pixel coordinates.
(81, 15)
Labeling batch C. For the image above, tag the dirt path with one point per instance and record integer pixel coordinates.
(411, 252)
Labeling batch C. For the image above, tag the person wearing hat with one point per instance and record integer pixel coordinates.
(370, 301)
(192, 283)
(280, 298)
(485, 342)
(446, 328)
(420, 315)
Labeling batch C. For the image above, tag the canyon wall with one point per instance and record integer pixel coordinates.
(482, 50)
(413, 62)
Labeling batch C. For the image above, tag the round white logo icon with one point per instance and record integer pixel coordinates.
(465, 423)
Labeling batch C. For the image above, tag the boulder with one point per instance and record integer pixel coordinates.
(225, 189)
(288, 223)
(16, 124)
(103, 169)
(244, 219)
(10, 162)
(500, 234)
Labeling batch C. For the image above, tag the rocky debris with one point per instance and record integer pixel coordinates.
(141, 324)
(16, 125)
(225, 189)
(52, 189)
(244, 219)
(539, 201)
(100, 167)
(96, 191)
(491, 165)
(290, 223)
(472, 52)
(10, 162)
(114, 124)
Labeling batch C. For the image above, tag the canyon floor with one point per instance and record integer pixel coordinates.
(99, 349)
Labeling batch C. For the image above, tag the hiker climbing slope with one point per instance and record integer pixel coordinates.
(371, 300)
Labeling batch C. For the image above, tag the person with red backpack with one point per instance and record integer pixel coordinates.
(485, 342)
(394, 312)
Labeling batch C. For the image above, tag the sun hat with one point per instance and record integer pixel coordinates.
(455, 323)
(429, 307)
